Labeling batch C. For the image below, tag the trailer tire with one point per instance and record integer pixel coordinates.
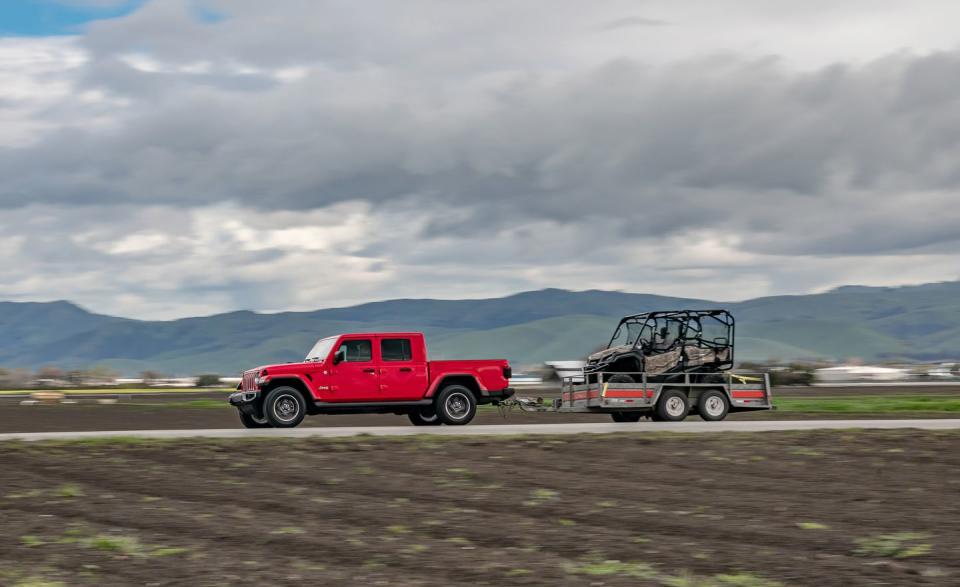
(674, 405)
(284, 407)
(626, 416)
(424, 417)
(713, 405)
(456, 405)
(253, 422)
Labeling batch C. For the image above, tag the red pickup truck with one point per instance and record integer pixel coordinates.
(385, 372)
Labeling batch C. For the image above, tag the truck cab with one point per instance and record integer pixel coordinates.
(371, 373)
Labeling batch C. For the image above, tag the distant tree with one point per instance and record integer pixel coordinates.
(208, 380)
(50, 372)
(14, 378)
(150, 376)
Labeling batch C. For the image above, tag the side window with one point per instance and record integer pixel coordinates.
(357, 350)
(396, 349)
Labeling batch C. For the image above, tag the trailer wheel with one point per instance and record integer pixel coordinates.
(284, 407)
(713, 405)
(456, 405)
(673, 406)
(253, 422)
(626, 416)
(424, 417)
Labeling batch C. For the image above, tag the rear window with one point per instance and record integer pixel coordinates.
(396, 349)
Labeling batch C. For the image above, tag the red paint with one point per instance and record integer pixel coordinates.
(377, 379)
(625, 393)
(741, 394)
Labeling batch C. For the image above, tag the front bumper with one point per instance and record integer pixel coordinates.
(246, 402)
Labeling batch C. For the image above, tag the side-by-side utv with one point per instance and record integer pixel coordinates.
(665, 344)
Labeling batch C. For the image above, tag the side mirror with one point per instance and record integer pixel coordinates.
(340, 356)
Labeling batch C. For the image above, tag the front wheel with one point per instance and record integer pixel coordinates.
(626, 416)
(253, 422)
(456, 405)
(425, 417)
(284, 407)
(673, 406)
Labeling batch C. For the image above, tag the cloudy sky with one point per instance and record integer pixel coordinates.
(165, 158)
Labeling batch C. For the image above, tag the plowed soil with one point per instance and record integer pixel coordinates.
(763, 509)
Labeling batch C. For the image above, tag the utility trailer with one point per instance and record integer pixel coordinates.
(663, 365)
(711, 397)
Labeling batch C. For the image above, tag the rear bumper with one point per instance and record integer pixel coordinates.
(496, 396)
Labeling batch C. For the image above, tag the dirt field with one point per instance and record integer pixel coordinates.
(841, 508)
(210, 410)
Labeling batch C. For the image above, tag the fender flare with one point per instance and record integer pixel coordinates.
(436, 385)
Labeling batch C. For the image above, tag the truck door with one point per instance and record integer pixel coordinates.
(354, 378)
(403, 374)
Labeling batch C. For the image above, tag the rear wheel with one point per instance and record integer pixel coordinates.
(425, 417)
(626, 416)
(713, 405)
(284, 407)
(673, 406)
(253, 422)
(456, 405)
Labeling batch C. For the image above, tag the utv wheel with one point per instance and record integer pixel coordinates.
(713, 405)
(284, 407)
(425, 417)
(456, 405)
(673, 406)
(253, 422)
(626, 416)
(620, 378)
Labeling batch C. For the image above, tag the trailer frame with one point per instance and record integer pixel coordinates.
(744, 392)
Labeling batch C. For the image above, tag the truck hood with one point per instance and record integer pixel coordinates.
(606, 353)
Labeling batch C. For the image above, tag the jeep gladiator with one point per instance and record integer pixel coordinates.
(385, 372)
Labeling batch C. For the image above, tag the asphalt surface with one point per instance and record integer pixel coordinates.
(502, 430)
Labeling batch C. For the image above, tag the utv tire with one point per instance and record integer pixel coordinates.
(456, 405)
(626, 416)
(424, 417)
(620, 378)
(284, 407)
(673, 406)
(253, 422)
(713, 405)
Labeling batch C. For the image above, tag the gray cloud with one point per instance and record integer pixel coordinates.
(479, 135)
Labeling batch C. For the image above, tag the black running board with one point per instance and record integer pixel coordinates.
(397, 407)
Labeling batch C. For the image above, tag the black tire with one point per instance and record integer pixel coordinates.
(713, 405)
(673, 406)
(252, 422)
(456, 405)
(284, 407)
(425, 417)
(626, 416)
(620, 378)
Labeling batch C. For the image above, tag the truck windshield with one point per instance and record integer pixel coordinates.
(320, 350)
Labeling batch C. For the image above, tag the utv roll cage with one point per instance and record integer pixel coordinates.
(673, 341)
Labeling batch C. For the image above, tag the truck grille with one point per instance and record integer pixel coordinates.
(249, 381)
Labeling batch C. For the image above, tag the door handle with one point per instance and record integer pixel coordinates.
(405, 369)
(369, 370)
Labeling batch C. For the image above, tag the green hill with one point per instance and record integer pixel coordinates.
(916, 322)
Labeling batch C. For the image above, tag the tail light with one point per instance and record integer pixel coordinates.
(507, 372)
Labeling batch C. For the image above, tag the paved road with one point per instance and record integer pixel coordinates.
(503, 430)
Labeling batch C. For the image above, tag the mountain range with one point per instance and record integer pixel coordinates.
(920, 322)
